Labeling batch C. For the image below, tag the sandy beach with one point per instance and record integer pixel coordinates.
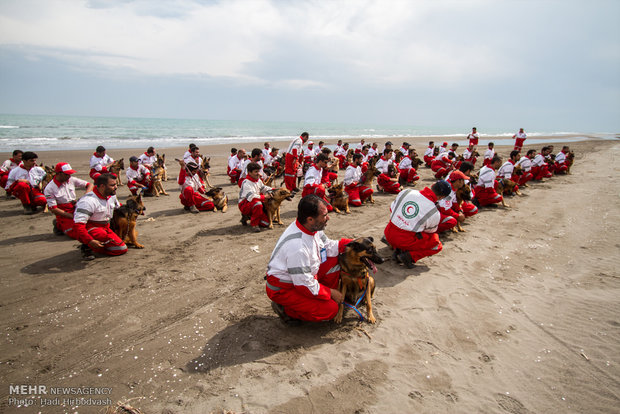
(519, 314)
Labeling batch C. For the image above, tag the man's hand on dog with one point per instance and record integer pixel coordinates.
(337, 296)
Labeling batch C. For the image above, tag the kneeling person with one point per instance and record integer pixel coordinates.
(302, 275)
(193, 191)
(251, 197)
(91, 220)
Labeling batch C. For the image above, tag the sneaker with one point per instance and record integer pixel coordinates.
(193, 210)
(28, 211)
(185, 208)
(55, 229)
(244, 220)
(384, 241)
(279, 310)
(405, 258)
(257, 229)
(87, 253)
(475, 202)
(395, 255)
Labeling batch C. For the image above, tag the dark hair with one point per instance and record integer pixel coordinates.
(29, 155)
(387, 151)
(565, 147)
(192, 146)
(431, 143)
(466, 166)
(514, 153)
(256, 152)
(357, 156)
(545, 148)
(321, 142)
(104, 178)
(150, 149)
(321, 157)
(531, 152)
(266, 143)
(305, 134)
(490, 143)
(326, 151)
(17, 152)
(308, 207)
(346, 143)
(253, 166)
(100, 149)
(391, 169)
(496, 158)
(233, 150)
(454, 144)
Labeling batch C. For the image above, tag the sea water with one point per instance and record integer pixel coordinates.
(41, 133)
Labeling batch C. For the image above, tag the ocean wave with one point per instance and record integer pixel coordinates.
(9, 126)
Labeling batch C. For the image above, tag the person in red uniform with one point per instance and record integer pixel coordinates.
(193, 191)
(7, 166)
(292, 160)
(23, 182)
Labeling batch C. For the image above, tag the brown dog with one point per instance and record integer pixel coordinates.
(124, 220)
(158, 176)
(355, 281)
(462, 194)
(272, 206)
(506, 186)
(220, 199)
(367, 179)
(570, 159)
(339, 199)
(116, 168)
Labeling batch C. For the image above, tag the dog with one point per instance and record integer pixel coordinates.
(220, 199)
(272, 206)
(367, 179)
(570, 159)
(157, 177)
(462, 194)
(339, 199)
(161, 163)
(124, 220)
(355, 280)
(506, 186)
(116, 168)
(204, 170)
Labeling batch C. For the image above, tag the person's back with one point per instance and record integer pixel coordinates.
(413, 211)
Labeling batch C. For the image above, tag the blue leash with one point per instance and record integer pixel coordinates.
(354, 307)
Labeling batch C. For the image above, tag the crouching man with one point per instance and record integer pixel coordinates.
(251, 197)
(91, 220)
(303, 273)
(412, 229)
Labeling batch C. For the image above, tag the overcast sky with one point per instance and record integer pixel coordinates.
(544, 65)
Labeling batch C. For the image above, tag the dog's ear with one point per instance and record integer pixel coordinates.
(356, 246)
(219, 188)
(370, 238)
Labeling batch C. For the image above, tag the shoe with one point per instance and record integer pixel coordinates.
(87, 253)
(28, 211)
(257, 229)
(244, 220)
(405, 258)
(193, 210)
(384, 241)
(475, 202)
(395, 255)
(279, 310)
(55, 229)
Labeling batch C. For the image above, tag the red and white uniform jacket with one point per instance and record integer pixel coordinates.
(525, 163)
(269, 159)
(342, 151)
(393, 157)
(8, 165)
(486, 177)
(313, 175)
(138, 175)
(358, 147)
(443, 150)
(506, 170)
(295, 148)
(372, 152)
(489, 154)
(403, 151)
(415, 211)
(521, 135)
(309, 154)
(429, 152)
(352, 175)
(146, 159)
(251, 189)
(96, 163)
(383, 164)
(467, 154)
(93, 207)
(297, 257)
(195, 182)
(34, 176)
(234, 162)
(446, 203)
(243, 166)
(57, 193)
(405, 163)
(538, 160)
(475, 136)
(266, 152)
(560, 158)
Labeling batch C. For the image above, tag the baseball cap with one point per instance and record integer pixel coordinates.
(310, 143)
(388, 143)
(457, 175)
(133, 158)
(406, 144)
(444, 188)
(64, 167)
(445, 144)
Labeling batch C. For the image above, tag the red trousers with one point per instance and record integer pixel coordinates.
(392, 187)
(94, 173)
(427, 245)
(541, 172)
(189, 198)
(469, 209)
(428, 160)
(409, 174)
(4, 177)
(447, 220)
(342, 161)
(560, 168)
(234, 175)
(254, 210)
(519, 144)
(319, 190)
(290, 171)
(525, 177)
(357, 194)
(134, 188)
(487, 196)
(303, 306)
(113, 245)
(440, 169)
(65, 224)
(27, 194)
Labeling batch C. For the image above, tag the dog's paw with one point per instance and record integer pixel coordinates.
(338, 319)
(372, 319)
(224, 209)
(138, 246)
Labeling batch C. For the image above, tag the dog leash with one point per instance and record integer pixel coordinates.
(354, 307)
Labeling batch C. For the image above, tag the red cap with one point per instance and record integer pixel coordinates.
(445, 144)
(457, 175)
(64, 167)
